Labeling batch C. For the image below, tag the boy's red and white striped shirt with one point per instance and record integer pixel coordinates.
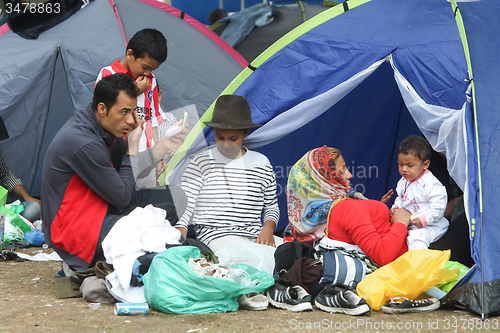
(147, 103)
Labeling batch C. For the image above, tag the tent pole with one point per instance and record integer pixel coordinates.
(463, 36)
(221, 4)
(484, 315)
(242, 4)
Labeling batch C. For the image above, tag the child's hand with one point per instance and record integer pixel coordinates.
(266, 235)
(401, 215)
(415, 220)
(391, 211)
(142, 83)
(387, 196)
(161, 167)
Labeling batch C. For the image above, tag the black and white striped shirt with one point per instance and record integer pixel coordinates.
(228, 197)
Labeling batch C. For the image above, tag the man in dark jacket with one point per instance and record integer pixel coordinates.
(88, 175)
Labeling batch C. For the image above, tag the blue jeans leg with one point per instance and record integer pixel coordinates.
(31, 210)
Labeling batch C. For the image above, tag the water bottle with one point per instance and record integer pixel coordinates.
(287, 234)
(239, 275)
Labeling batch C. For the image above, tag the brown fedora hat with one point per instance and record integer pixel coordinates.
(231, 112)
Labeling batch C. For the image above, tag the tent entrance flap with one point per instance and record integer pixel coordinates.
(366, 125)
(306, 111)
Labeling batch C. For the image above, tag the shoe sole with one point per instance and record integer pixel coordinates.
(360, 310)
(301, 307)
(390, 310)
(253, 309)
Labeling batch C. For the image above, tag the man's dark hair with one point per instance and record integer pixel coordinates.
(107, 90)
(417, 146)
(150, 42)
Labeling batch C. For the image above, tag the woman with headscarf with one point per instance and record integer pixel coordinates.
(356, 234)
(321, 202)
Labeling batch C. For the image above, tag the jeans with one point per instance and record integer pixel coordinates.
(171, 198)
(31, 211)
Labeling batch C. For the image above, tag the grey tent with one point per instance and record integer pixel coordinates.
(45, 79)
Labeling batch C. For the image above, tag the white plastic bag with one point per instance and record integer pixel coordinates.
(256, 255)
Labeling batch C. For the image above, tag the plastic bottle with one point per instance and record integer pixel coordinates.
(287, 234)
(239, 275)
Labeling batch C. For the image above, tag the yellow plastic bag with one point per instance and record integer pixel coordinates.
(410, 275)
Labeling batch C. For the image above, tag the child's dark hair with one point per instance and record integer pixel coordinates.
(151, 42)
(108, 89)
(417, 146)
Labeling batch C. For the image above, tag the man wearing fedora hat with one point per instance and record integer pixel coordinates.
(228, 186)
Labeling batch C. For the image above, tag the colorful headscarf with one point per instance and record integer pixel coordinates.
(314, 184)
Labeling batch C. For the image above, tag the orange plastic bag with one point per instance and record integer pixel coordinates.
(410, 275)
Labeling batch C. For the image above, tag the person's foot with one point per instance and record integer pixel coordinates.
(253, 302)
(294, 298)
(339, 298)
(405, 305)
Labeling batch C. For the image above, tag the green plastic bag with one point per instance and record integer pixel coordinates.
(18, 209)
(3, 196)
(172, 286)
(446, 287)
(14, 227)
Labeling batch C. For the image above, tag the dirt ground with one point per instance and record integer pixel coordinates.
(28, 304)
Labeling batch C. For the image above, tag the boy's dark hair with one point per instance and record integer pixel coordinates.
(150, 42)
(417, 146)
(107, 90)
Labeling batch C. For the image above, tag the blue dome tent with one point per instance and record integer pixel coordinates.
(363, 75)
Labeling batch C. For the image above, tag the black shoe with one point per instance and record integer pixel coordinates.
(339, 298)
(405, 305)
(59, 274)
(294, 298)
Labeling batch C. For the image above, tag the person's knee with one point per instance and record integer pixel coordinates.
(31, 211)
(417, 244)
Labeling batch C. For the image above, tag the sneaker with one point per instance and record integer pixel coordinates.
(339, 298)
(59, 274)
(294, 298)
(405, 305)
(253, 302)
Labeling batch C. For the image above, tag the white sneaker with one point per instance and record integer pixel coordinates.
(253, 302)
(294, 298)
